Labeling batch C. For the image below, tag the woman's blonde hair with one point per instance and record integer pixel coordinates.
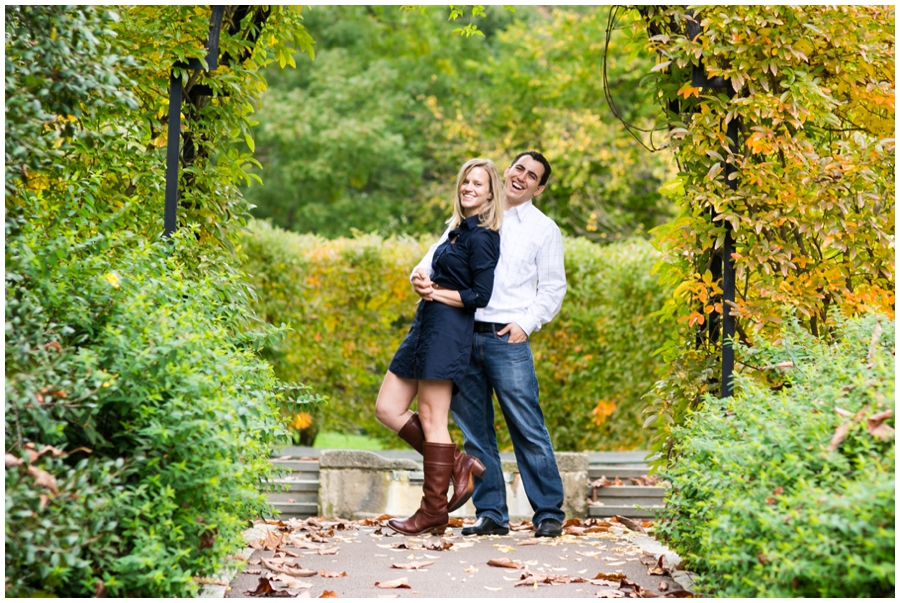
(491, 216)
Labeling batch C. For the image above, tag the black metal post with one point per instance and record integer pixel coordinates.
(172, 151)
(699, 79)
(728, 326)
(173, 142)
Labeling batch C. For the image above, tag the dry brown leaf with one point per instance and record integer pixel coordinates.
(292, 582)
(679, 594)
(663, 585)
(437, 544)
(610, 593)
(661, 568)
(325, 574)
(529, 542)
(100, 589)
(839, 434)
(631, 524)
(471, 570)
(412, 566)
(505, 562)
(328, 594)
(12, 460)
(265, 589)
(43, 478)
(494, 588)
(332, 551)
(877, 427)
(616, 577)
(398, 583)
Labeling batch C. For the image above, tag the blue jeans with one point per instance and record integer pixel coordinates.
(507, 369)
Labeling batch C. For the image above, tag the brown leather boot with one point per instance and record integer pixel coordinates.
(464, 465)
(432, 513)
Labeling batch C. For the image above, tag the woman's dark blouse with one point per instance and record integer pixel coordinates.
(465, 262)
(439, 342)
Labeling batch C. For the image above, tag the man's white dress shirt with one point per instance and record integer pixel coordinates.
(530, 277)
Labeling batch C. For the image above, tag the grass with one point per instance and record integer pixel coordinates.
(334, 440)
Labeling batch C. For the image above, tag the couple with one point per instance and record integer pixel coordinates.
(482, 294)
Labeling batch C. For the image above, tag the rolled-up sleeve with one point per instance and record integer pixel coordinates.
(484, 253)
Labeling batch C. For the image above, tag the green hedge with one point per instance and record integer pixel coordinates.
(765, 502)
(349, 303)
(158, 411)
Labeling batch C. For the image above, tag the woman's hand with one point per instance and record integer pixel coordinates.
(422, 285)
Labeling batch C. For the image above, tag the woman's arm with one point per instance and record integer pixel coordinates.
(446, 296)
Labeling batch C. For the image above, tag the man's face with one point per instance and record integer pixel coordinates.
(523, 180)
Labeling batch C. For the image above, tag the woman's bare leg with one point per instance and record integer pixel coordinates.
(394, 399)
(434, 408)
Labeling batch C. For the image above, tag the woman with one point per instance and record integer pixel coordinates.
(437, 348)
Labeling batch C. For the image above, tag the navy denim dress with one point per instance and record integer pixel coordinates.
(439, 342)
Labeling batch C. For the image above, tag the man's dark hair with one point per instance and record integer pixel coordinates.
(540, 159)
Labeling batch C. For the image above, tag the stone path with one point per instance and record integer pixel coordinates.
(316, 557)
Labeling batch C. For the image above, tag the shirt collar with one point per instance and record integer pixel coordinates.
(520, 211)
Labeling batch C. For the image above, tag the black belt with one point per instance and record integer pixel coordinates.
(488, 327)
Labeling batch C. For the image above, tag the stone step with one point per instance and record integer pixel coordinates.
(294, 497)
(631, 492)
(300, 510)
(630, 511)
(295, 485)
(614, 471)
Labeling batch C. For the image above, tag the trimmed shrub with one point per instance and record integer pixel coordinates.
(787, 489)
(139, 421)
(349, 304)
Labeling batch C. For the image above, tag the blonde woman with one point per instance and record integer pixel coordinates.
(435, 354)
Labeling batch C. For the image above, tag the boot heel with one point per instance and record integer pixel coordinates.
(478, 468)
(439, 531)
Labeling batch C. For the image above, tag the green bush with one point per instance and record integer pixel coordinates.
(767, 500)
(350, 303)
(138, 415)
(161, 414)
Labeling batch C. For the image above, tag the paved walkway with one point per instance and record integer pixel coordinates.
(366, 559)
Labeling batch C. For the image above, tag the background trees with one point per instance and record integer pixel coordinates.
(394, 103)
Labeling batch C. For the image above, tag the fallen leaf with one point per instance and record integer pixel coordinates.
(398, 583)
(265, 589)
(331, 551)
(494, 588)
(877, 427)
(43, 478)
(609, 593)
(12, 460)
(839, 434)
(412, 566)
(614, 563)
(292, 582)
(437, 544)
(663, 585)
(471, 570)
(616, 577)
(325, 574)
(100, 589)
(661, 568)
(328, 594)
(679, 594)
(529, 542)
(292, 570)
(631, 524)
(505, 562)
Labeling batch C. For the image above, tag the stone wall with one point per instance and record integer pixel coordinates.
(357, 483)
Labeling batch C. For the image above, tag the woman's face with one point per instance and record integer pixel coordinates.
(475, 191)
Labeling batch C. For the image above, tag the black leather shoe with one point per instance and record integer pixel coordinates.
(549, 528)
(485, 526)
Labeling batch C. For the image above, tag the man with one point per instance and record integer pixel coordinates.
(529, 286)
